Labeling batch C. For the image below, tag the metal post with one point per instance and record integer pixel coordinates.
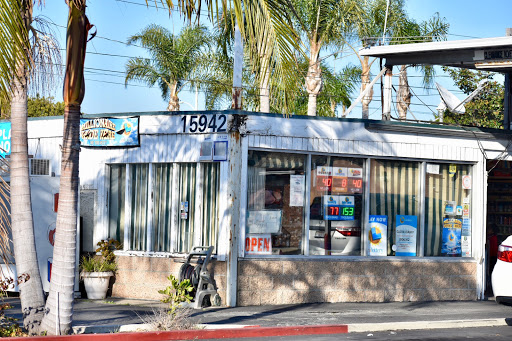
(237, 70)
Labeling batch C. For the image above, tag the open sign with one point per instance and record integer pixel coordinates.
(258, 244)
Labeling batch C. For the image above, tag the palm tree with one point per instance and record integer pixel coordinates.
(323, 23)
(399, 29)
(59, 305)
(174, 58)
(43, 51)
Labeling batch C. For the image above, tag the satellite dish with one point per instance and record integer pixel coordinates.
(451, 102)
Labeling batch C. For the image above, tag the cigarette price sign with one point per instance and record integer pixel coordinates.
(338, 207)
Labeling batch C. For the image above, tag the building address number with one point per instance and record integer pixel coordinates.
(204, 123)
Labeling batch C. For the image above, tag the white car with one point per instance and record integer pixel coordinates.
(502, 273)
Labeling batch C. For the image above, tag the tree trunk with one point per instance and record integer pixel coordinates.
(313, 79)
(403, 96)
(174, 101)
(264, 86)
(365, 80)
(59, 306)
(31, 291)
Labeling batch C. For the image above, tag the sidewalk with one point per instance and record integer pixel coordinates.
(125, 315)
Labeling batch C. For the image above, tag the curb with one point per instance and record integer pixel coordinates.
(202, 334)
(418, 325)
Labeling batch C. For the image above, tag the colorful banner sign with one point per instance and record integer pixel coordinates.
(5, 138)
(452, 230)
(377, 236)
(406, 232)
(109, 132)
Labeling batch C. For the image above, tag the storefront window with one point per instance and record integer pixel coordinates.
(447, 210)
(394, 208)
(275, 210)
(336, 200)
(116, 201)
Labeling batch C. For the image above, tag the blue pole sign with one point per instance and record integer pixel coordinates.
(5, 139)
(109, 132)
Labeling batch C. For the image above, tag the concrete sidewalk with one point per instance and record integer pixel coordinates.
(125, 315)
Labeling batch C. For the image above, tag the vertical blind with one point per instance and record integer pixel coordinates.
(209, 214)
(187, 193)
(394, 190)
(116, 201)
(139, 201)
(162, 206)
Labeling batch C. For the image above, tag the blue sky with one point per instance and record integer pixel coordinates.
(118, 19)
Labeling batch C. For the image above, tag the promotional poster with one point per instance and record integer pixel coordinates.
(451, 244)
(377, 236)
(406, 235)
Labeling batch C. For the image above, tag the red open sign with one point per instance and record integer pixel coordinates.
(258, 244)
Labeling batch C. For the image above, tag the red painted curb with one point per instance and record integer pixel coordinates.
(200, 334)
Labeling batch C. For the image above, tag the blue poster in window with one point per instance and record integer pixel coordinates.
(5, 139)
(452, 231)
(109, 132)
(406, 232)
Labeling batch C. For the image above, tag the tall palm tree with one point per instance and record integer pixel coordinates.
(323, 23)
(43, 51)
(59, 305)
(399, 29)
(174, 58)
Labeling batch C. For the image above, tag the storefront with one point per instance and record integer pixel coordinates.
(299, 209)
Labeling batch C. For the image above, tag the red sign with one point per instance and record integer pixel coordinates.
(258, 244)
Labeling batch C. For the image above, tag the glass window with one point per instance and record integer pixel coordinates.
(187, 194)
(139, 205)
(336, 206)
(275, 210)
(116, 201)
(5, 222)
(209, 214)
(394, 193)
(447, 210)
(162, 206)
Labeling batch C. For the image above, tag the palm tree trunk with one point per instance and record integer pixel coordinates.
(403, 96)
(59, 306)
(174, 101)
(365, 80)
(313, 79)
(31, 291)
(264, 86)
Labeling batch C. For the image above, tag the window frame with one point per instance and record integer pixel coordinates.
(422, 165)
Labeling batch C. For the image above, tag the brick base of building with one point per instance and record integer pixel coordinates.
(262, 282)
(142, 277)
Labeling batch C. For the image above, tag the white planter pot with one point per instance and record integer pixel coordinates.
(96, 284)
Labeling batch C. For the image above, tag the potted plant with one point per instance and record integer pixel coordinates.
(97, 270)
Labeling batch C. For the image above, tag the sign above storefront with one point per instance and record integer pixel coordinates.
(109, 132)
(5, 139)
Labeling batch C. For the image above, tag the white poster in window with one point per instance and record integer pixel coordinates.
(406, 232)
(377, 236)
(432, 168)
(465, 245)
(263, 221)
(297, 186)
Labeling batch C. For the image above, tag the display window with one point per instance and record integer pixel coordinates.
(447, 210)
(169, 192)
(394, 208)
(275, 203)
(336, 200)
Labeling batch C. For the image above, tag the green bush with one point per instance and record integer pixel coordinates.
(177, 293)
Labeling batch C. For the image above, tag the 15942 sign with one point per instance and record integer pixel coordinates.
(204, 123)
